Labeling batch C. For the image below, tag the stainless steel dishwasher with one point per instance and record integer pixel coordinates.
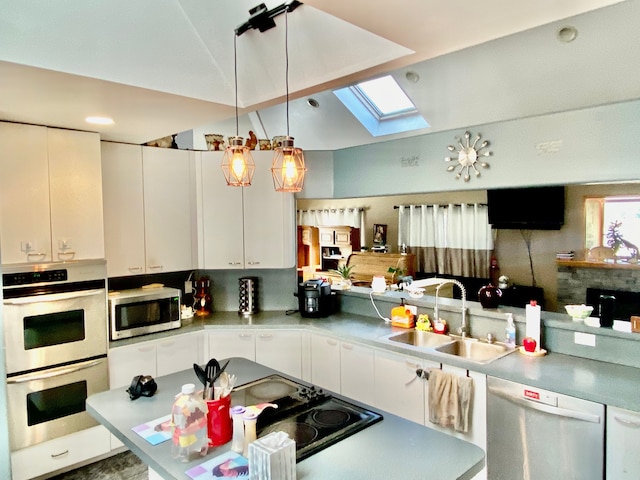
(536, 434)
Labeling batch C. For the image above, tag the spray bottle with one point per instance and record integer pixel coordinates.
(510, 332)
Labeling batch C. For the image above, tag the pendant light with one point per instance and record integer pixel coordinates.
(237, 163)
(288, 168)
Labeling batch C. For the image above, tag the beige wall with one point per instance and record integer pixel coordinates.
(510, 247)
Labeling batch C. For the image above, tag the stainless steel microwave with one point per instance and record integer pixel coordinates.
(143, 310)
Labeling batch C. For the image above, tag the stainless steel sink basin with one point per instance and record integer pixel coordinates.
(475, 350)
(419, 338)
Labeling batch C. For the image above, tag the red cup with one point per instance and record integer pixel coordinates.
(219, 423)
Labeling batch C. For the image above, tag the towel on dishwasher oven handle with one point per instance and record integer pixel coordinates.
(449, 400)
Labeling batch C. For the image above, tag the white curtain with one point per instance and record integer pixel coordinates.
(353, 217)
(447, 239)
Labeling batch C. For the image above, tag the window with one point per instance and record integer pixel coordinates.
(613, 221)
(381, 106)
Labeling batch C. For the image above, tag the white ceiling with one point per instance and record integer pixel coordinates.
(158, 69)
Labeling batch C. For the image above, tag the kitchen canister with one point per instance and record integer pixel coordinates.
(248, 295)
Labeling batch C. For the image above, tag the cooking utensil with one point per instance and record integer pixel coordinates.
(212, 371)
(202, 376)
(231, 382)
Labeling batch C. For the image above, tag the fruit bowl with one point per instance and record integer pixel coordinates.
(578, 312)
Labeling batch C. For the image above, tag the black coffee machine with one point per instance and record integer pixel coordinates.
(315, 298)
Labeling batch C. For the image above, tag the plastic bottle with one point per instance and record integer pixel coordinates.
(189, 421)
(237, 441)
(250, 419)
(510, 331)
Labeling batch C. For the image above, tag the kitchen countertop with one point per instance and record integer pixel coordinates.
(391, 449)
(593, 380)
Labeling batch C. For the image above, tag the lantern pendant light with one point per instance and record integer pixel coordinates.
(237, 163)
(288, 168)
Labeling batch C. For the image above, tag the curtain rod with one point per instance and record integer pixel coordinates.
(359, 209)
(441, 205)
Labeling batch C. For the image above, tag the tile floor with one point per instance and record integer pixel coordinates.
(124, 466)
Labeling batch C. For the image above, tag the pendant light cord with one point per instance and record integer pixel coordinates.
(286, 60)
(235, 77)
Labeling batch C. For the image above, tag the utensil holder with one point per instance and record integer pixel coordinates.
(219, 422)
(248, 295)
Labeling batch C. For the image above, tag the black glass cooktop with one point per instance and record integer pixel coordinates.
(314, 419)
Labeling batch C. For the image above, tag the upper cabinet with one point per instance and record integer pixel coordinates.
(245, 227)
(51, 196)
(149, 204)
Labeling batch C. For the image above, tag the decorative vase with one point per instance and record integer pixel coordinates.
(489, 296)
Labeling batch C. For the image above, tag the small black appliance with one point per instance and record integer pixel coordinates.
(315, 298)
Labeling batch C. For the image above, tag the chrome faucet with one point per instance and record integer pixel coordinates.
(464, 327)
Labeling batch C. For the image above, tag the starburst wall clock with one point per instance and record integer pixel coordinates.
(469, 154)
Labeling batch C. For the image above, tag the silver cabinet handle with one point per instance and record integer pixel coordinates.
(253, 263)
(54, 297)
(135, 269)
(68, 255)
(39, 255)
(61, 454)
(347, 346)
(542, 407)
(235, 263)
(155, 267)
(30, 377)
(626, 421)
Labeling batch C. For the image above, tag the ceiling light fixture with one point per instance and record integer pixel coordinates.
(99, 120)
(288, 168)
(567, 34)
(237, 163)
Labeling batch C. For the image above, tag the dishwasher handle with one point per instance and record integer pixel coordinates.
(542, 407)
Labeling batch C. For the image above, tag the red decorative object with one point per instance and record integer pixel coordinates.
(489, 296)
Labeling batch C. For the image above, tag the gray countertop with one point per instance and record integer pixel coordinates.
(593, 380)
(391, 449)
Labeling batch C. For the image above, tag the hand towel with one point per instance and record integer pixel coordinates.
(449, 400)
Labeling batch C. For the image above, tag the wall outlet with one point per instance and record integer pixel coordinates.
(188, 286)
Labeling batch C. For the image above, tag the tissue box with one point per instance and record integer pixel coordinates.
(272, 457)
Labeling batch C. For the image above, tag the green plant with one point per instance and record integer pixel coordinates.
(397, 271)
(614, 237)
(344, 271)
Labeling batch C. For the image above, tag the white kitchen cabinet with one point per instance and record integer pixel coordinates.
(149, 203)
(357, 372)
(277, 349)
(623, 437)
(397, 389)
(155, 358)
(245, 227)
(60, 453)
(325, 362)
(50, 193)
(477, 433)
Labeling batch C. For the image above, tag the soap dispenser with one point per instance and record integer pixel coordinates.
(510, 332)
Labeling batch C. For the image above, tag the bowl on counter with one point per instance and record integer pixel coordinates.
(578, 312)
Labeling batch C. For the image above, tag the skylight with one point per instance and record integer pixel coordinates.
(381, 106)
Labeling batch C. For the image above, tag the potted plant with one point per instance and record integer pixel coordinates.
(397, 275)
(344, 271)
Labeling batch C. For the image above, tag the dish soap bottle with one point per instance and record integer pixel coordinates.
(189, 422)
(510, 332)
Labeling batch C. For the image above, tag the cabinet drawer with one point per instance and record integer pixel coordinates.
(60, 453)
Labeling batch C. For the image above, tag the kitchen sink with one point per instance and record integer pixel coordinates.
(474, 350)
(419, 338)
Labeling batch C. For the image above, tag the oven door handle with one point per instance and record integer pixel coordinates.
(53, 297)
(55, 373)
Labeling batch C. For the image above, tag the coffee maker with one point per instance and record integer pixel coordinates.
(315, 298)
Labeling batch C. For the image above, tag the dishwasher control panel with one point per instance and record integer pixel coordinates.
(541, 397)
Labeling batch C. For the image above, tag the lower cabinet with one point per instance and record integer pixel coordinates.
(397, 388)
(60, 453)
(325, 362)
(155, 358)
(277, 349)
(623, 438)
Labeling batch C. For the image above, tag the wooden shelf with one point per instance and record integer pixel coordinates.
(601, 265)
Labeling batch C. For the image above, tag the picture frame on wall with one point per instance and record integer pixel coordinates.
(379, 234)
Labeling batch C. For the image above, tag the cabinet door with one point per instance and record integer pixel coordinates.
(233, 343)
(127, 362)
(221, 217)
(397, 389)
(357, 372)
(60, 453)
(169, 198)
(75, 190)
(25, 233)
(623, 437)
(123, 208)
(178, 352)
(325, 362)
(269, 221)
(280, 350)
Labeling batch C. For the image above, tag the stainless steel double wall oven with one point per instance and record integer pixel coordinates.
(55, 328)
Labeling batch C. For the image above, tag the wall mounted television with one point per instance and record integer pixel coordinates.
(527, 208)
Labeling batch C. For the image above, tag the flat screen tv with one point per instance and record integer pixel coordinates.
(529, 208)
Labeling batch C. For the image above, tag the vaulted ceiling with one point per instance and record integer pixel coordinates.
(162, 68)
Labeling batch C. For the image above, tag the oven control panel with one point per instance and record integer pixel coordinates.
(29, 278)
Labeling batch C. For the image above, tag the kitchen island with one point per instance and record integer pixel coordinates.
(391, 449)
